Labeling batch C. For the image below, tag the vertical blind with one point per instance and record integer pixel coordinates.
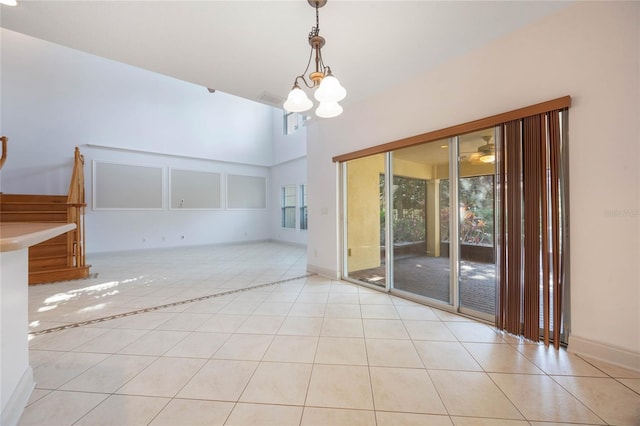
(530, 228)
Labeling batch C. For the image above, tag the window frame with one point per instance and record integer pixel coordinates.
(302, 209)
(285, 206)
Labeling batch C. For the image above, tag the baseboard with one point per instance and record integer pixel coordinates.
(603, 352)
(325, 272)
(18, 399)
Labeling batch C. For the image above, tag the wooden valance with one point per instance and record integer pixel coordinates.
(460, 129)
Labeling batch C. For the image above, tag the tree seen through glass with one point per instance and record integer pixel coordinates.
(476, 196)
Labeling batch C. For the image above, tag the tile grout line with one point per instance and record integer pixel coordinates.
(167, 305)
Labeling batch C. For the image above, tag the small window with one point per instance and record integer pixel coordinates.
(289, 206)
(293, 121)
(303, 207)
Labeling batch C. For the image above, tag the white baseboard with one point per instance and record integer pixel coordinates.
(604, 352)
(18, 399)
(325, 272)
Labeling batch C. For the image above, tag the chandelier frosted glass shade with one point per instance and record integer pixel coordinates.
(330, 90)
(328, 109)
(297, 101)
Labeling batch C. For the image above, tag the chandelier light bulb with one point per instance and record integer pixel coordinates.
(297, 101)
(330, 90)
(328, 109)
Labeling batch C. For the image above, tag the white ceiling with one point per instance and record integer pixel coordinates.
(248, 48)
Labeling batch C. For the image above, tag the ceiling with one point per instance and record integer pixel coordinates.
(254, 49)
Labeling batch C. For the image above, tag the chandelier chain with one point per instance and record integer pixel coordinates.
(315, 30)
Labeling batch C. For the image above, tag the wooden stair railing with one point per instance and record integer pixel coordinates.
(3, 158)
(75, 212)
(61, 258)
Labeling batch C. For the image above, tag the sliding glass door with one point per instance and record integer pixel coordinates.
(476, 224)
(421, 259)
(364, 224)
(419, 221)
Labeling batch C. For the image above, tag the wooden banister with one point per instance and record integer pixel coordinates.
(75, 212)
(76, 187)
(4, 140)
(61, 258)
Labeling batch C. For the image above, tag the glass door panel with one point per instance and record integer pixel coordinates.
(476, 196)
(420, 242)
(364, 257)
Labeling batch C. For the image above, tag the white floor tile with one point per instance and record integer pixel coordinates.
(307, 351)
(393, 353)
(384, 329)
(198, 345)
(264, 415)
(341, 350)
(155, 342)
(164, 378)
(411, 419)
(301, 349)
(301, 326)
(340, 386)
(445, 356)
(110, 374)
(342, 327)
(278, 383)
(124, 410)
(193, 413)
(222, 380)
(472, 394)
(609, 399)
(539, 398)
(405, 390)
(429, 330)
(500, 358)
(313, 416)
(64, 366)
(259, 324)
(250, 347)
(60, 408)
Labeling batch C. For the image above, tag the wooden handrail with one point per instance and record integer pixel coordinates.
(75, 212)
(4, 140)
(76, 188)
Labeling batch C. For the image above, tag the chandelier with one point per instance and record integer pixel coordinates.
(329, 91)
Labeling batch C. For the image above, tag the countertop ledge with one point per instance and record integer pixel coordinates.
(20, 235)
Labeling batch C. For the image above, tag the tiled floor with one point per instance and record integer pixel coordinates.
(307, 351)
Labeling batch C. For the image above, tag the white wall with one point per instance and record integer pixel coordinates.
(289, 168)
(293, 172)
(590, 51)
(55, 98)
(112, 230)
(287, 147)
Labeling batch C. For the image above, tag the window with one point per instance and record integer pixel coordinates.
(289, 206)
(303, 207)
(293, 121)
